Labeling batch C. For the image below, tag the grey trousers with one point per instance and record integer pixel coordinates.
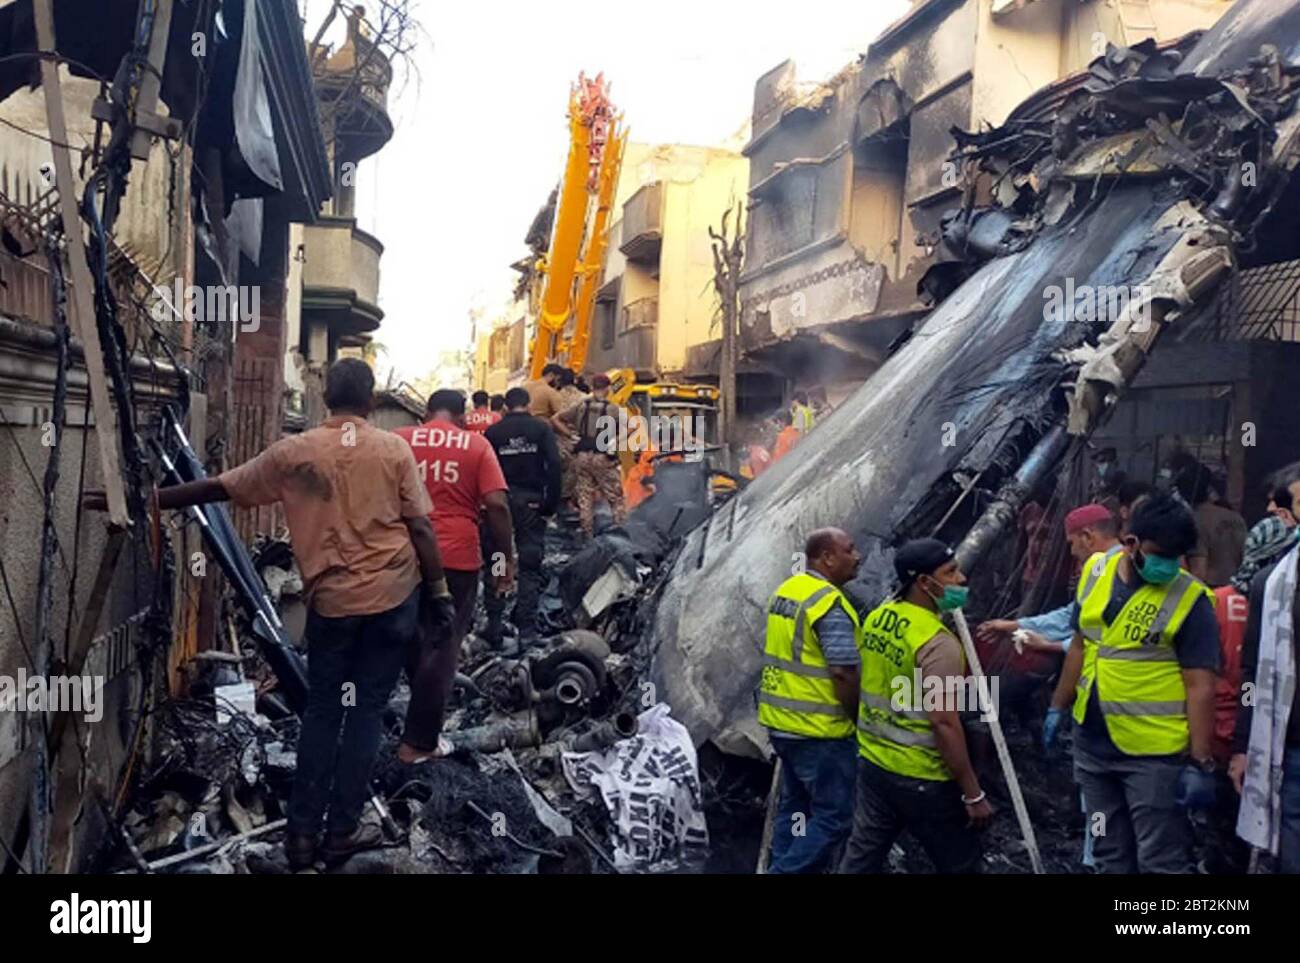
(887, 804)
(1138, 828)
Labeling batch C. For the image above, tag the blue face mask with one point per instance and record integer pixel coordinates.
(1157, 569)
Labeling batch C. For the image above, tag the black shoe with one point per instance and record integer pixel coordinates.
(300, 848)
(338, 848)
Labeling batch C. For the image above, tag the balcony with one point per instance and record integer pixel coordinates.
(340, 277)
(642, 313)
(352, 85)
(643, 232)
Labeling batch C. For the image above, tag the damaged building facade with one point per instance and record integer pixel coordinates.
(656, 302)
(334, 262)
(850, 177)
(197, 198)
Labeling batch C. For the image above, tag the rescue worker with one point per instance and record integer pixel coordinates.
(801, 413)
(358, 521)
(480, 418)
(786, 438)
(544, 398)
(639, 483)
(1140, 674)
(808, 698)
(570, 394)
(461, 475)
(530, 461)
(593, 426)
(757, 459)
(1090, 530)
(914, 770)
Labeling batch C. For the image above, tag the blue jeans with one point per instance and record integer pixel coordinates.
(815, 811)
(1288, 855)
(352, 666)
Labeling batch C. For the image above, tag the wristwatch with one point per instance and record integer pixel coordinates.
(1206, 765)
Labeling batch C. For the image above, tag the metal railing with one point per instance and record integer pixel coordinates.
(1257, 304)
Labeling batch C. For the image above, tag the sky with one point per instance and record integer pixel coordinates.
(481, 133)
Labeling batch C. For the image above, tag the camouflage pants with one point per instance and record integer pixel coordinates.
(566, 446)
(596, 476)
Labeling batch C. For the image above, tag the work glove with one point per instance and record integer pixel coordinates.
(1196, 788)
(1052, 723)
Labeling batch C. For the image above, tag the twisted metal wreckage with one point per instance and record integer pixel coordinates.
(1147, 178)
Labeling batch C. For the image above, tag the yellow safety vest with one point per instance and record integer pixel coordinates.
(895, 738)
(1132, 661)
(796, 694)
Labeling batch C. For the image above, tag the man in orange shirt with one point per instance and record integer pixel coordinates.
(639, 483)
(359, 526)
(462, 477)
(787, 438)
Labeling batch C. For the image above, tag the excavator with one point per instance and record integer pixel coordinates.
(571, 270)
(596, 144)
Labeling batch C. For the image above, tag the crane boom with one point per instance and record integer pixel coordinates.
(593, 263)
(595, 153)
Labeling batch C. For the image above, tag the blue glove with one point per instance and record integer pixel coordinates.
(1196, 788)
(1052, 728)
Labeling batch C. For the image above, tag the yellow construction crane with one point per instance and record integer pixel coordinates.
(577, 251)
(570, 272)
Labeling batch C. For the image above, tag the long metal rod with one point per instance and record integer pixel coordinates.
(1004, 754)
(207, 848)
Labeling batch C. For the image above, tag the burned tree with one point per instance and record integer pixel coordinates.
(728, 261)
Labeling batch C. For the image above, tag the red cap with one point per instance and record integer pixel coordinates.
(1086, 515)
(600, 381)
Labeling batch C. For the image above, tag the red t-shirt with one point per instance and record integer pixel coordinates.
(1230, 609)
(481, 419)
(458, 468)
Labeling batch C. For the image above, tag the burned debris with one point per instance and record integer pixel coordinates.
(1120, 231)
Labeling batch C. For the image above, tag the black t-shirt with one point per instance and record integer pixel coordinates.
(1196, 644)
(529, 456)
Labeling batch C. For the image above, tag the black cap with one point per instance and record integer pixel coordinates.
(921, 556)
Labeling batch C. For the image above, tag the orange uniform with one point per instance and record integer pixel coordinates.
(634, 493)
(786, 440)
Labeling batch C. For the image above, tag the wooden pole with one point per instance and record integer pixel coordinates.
(1000, 741)
(769, 821)
(81, 305)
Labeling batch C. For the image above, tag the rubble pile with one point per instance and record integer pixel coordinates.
(563, 760)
